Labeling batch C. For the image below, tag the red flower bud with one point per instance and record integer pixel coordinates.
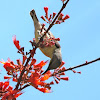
(43, 18)
(43, 25)
(1, 84)
(57, 39)
(51, 83)
(16, 43)
(7, 77)
(66, 17)
(54, 14)
(74, 71)
(65, 78)
(50, 17)
(56, 81)
(46, 11)
(63, 68)
(62, 73)
(14, 79)
(60, 16)
(86, 62)
(9, 88)
(79, 72)
(57, 22)
(6, 84)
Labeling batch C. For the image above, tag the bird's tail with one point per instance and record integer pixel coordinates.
(34, 17)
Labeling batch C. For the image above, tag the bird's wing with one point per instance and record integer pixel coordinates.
(55, 62)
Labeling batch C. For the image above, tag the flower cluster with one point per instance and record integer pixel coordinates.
(26, 72)
(16, 43)
(48, 42)
(7, 92)
(32, 75)
(61, 17)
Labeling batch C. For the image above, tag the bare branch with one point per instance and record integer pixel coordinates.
(24, 87)
(84, 64)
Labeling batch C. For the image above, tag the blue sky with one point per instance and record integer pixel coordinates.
(80, 41)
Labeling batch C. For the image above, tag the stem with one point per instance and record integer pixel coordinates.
(84, 64)
(20, 77)
(24, 87)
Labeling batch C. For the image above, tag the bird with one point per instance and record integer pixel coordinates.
(54, 51)
(56, 59)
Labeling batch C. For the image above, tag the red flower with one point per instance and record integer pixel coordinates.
(43, 25)
(14, 79)
(51, 83)
(11, 95)
(74, 71)
(43, 18)
(46, 76)
(34, 79)
(46, 11)
(56, 81)
(86, 62)
(60, 16)
(16, 43)
(50, 18)
(9, 88)
(40, 65)
(19, 62)
(1, 84)
(33, 62)
(8, 66)
(63, 68)
(54, 14)
(62, 73)
(79, 72)
(24, 58)
(7, 77)
(62, 64)
(45, 90)
(18, 94)
(57, 39)
(5, 85)
(57, 22)
(66, 17)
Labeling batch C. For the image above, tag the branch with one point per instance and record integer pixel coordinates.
(50, 26)
(84, 64)
(24, 87)
(20, 77)
(37, 45)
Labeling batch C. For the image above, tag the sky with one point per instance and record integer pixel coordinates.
(80, 42)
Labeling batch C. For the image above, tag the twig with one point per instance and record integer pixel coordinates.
(24, 87)
(84, 64)
(20, 77)
(3, 91)
(50, 26)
